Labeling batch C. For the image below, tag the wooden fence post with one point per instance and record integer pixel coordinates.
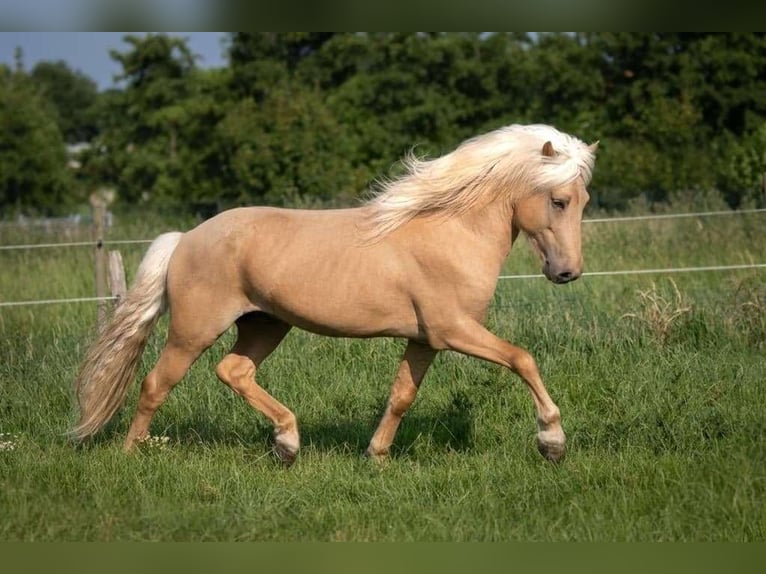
(98, 208)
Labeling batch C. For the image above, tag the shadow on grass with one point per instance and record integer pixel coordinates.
(451, 428)
(335, 434)
(438, 431)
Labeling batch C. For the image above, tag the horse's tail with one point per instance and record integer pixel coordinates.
(110, 363)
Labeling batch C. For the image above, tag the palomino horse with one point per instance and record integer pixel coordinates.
(420, 260)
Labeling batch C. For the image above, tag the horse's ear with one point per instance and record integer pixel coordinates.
(548, 149)
(593, 148)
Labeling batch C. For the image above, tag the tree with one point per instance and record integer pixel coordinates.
(73, 96)
(262, 60)
(286, 150)
(675, 103)
(311, 118)
(283, 141)
(33, 175)
(569, 90)
(729, 79)
(403, 94)
(147, 154)
(742, 169)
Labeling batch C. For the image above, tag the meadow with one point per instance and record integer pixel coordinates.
(661, 381)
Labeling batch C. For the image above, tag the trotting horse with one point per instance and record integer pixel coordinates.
(420, 260)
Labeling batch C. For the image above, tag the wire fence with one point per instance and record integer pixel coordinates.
(672, 215)
(53, 301)
(655, 216)
(617, 272)
(650, 271)
(74, 244)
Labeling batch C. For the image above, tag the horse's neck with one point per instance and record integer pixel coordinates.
(493, 223)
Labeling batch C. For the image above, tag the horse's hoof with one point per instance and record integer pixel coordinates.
(286, 448)
(551, 445)
(285, 455)
(378, 457)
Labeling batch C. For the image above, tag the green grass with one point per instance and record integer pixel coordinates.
(666, 423)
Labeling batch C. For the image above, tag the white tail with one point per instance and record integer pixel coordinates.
(110, 364)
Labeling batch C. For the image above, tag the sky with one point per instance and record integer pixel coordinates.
(88, 52)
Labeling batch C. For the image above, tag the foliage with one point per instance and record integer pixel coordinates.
(73, 95)
(743, 168)
(33, 176)
(286, 150)
(311, 118)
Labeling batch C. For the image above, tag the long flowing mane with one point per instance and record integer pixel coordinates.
(507, 162)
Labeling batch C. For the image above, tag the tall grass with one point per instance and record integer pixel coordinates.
(664, 411)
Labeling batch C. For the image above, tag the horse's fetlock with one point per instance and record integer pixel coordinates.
(376, 452)
(287, 423)
(551, 416)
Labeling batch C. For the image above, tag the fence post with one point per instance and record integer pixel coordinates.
(117, 277)
(98, 209)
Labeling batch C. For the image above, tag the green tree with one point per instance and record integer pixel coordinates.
(156, 131)
(33, 174)
(742, 168)
(73, 96)
(262, 60)
(283, 141)
(568, 84)
(309, 118)
(286, 150)
(404, 94)
(654, 135)
(728, 72)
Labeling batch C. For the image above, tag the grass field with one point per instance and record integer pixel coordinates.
(661, 381)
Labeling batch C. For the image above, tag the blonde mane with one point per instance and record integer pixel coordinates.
(506, 163)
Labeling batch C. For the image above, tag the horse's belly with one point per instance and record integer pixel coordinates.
(346, 314)
(308, 269)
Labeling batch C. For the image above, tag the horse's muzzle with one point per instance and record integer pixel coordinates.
(560, 276)
(566, 276)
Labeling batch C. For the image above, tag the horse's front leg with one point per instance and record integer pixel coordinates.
(417, 359)
(475, 340)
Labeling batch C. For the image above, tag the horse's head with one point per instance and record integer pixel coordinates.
(551, 219)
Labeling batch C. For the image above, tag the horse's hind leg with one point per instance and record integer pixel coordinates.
(191, 332)
(417, 359)
(258, 336)
(175, 360)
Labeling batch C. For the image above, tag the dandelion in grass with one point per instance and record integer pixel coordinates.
(154, 442)
(8, 441)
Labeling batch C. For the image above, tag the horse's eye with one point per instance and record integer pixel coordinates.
(558, 203)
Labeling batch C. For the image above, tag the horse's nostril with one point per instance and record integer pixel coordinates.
(565, 276)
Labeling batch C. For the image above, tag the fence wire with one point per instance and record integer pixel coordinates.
(502, 277)
(618, 272)
(659, 216)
